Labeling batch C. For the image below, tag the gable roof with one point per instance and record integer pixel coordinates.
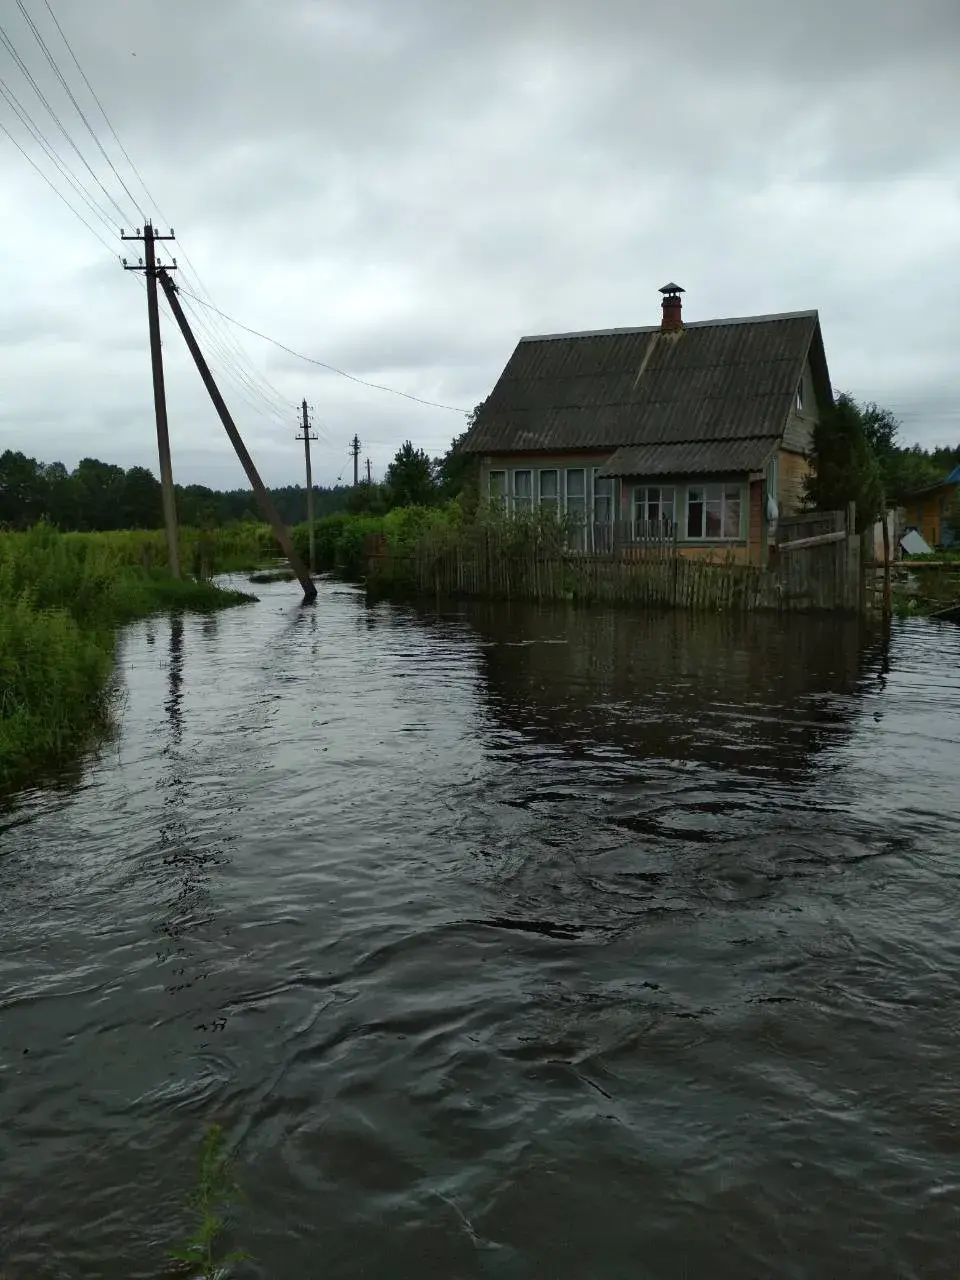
(716, 393)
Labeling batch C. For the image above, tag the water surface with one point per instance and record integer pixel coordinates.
(505, 942)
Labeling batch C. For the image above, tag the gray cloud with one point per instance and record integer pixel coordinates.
(403, 190)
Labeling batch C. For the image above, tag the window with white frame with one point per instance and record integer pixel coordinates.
(714, 511)
(604, 512)
(603, 504)
(550, 491)
(522, 491)
(498, 488)
(654, 510)
(577, 504)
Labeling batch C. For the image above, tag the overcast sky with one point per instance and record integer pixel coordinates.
(402, 188)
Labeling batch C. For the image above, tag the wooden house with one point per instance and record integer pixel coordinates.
(698, 429)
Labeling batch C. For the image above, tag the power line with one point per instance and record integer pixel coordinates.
(59, 163)
(103, 112)
(69, 92)
(230, 343)
(31, 80)
(376, 386)
(76, 213)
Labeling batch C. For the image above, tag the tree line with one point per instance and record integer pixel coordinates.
(858, 458)
(99, 496)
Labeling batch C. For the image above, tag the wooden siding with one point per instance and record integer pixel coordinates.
(798, 435)
(793, 471)
(929, 513)
(756, 540)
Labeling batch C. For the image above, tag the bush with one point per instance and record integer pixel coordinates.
(62, 596)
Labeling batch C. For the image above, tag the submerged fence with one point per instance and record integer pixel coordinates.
(812, 570)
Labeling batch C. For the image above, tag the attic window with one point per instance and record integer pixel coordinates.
(799, 397)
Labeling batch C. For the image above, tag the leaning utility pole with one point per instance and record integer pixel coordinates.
(369, 473)
(306, 438)
(355, 451)
(149, 268)
(264, 499)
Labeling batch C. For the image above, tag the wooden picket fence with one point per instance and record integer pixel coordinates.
(816, 568)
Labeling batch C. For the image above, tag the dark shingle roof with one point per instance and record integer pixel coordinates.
(714, 381)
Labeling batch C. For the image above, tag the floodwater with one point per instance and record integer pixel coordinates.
(504, 942)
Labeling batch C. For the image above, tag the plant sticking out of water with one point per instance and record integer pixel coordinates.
(215, 1191)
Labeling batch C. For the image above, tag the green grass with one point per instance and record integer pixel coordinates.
(62, 598)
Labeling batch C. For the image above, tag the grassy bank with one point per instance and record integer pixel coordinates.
(62, 598)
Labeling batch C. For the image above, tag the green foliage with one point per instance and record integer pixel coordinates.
(410, 480)
(215, 1191)
(97, 496)
(367, 500)
(341, 540)
(62, 596)
(901, 468)
(846, 468)
(458, 472)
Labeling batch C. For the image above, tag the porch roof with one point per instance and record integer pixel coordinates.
(692, 458)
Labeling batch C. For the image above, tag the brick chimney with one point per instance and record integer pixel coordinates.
(672, 308)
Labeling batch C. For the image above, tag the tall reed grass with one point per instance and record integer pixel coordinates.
(62, 598)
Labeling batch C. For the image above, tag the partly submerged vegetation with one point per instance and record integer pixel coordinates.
(215, 1191)
(62, 598)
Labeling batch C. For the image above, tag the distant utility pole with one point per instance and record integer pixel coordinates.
(259, 489)
(369, 473)
(355, 451)
(149, 267)
(306, 438)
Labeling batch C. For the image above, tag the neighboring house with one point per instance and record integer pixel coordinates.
(685, 429)
(934, 510)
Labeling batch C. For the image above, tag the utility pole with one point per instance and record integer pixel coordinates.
(369, 474)
(149, 267)
(306, 438)
(355, 451)
(259, 489)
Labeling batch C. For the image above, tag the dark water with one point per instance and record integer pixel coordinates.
(505, 943)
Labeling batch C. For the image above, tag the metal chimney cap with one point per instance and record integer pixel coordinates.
(672, 288)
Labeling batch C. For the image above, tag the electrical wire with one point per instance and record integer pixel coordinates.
(57, 192)
(31, 80)
(376, 386)
(69, 92)
(59, 163)
(229, 340)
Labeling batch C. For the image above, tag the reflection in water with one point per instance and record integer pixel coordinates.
(185, 860)
(550, 943)
(760, 693)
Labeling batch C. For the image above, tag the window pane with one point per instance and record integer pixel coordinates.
(714, 521)
(498, 484)
(523, 490)
(667, 506)
(731, 514)
(695, 513)
(576, 484)
(603, 500)
(548, 485)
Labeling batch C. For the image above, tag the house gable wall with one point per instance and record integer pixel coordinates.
(798, 435)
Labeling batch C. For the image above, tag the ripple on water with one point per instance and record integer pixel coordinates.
(504, 941)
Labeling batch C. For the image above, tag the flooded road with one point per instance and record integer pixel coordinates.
(505, 943)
